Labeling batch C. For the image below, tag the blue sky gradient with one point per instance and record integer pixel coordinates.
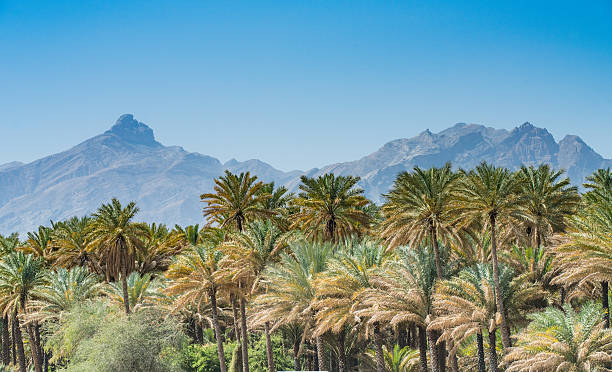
(299, 84)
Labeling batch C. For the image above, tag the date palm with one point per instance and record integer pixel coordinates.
(290, 290)
(278, 201)
(143, 291)
(159, 246)
(491, 196)
(402, 294)
(342, 293)
(599, 186)
(247, 254)
(417, 209)
(398, 359)
(195, 280)
(236, 200)
(330, 207)
(466, 304)
(563, 340)
(21, 278)
(585, 259)
(548, 199)
(117, 240)
(39, 243)
(71, 240)
(65, 289)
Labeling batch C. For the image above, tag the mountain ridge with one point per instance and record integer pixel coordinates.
(127, 162)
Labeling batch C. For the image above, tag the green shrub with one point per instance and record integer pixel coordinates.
(99, 338)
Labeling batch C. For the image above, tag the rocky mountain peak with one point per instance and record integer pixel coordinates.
(133, 131)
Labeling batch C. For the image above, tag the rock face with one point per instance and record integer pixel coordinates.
(466, 145)
(128, 163)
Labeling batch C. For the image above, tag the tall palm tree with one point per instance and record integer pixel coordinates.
(585, 259)
(8, 244)
(71, 245)
(599, 186)
(39, 243)
(548, 200)
(279, 202)
(490, 195)
(417, 209)
(330, 207)
(195, 279)
(21, 277)
(341, 293)
(290, 290)
(117, 240)
(563, 340)
(466, 304)
(402, 293)
(236, 200)
(159, 246)
(246, 256)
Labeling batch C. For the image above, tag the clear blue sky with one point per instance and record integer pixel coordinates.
(299, 84)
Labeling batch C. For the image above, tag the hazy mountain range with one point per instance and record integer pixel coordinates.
(128, 163)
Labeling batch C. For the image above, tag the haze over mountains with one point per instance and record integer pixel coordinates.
(128, 163)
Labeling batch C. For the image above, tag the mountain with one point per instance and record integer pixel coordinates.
(128, 163)
(124, 162)
(466, 145)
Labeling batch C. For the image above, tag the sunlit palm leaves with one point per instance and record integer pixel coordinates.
(330, 207)
(563, 340)
(236, 200)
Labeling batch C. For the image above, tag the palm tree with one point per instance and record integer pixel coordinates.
(548, 200)
(65, 289)
(8, 245)
(237, 199)
(143, 291)
(278, 200)
(246, 256)
(71, 245)
(599, 186)
(159, 246)
(563, 340)
(40, 244)
(117, 240)
(398, 359)
(195, 279)
(585, 259)
(290, 291)
(418, 210)
(466, 304)
(21, 277)
(490, 196)
(402, 293)
(342, 293)
(330, 207)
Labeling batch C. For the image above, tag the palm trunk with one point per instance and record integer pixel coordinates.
(271, 367)
(320, 353)
(126, 297)
(341, 352)
(492, 352)
(34, 348)
(14, 343)
(19, 343)
(505, 329)
(218, 335)
(441, 350)
(38, 342)
(481, 356)
(235, 312)
(414, 339)
(296, 354)
(434, 358)
(6, 342)
(423, 348)
(378, 340)
(605, 304)
(454, 363)
(245, 339)
(402, 336)
(436, 248)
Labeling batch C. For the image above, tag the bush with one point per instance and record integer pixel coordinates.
(99, 338)
(203, 358)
